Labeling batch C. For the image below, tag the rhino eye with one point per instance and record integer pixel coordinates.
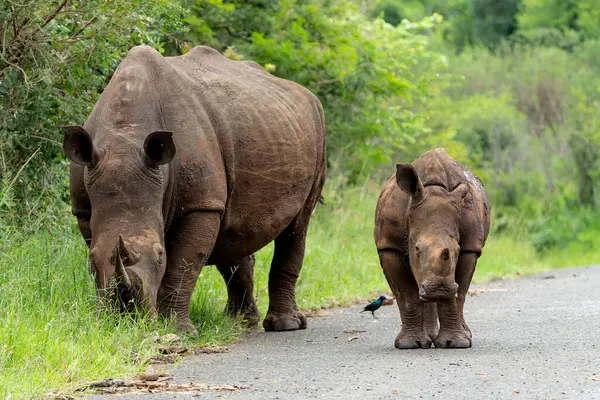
(417, 249)
(159, 252)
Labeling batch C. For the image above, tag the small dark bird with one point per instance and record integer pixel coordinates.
(374, 306)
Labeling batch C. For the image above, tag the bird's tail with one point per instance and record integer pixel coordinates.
(362, 311)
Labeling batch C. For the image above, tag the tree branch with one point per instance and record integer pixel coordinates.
(78, 31)
(54, 13)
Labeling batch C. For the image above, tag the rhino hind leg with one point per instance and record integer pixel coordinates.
(454, 331)
(239, 278)
(416, 317)
(283, 313)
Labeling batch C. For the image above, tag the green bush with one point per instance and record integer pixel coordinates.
(56, 59)
(369, 75)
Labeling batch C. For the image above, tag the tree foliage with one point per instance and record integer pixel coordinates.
(354, 64)
(507, 87)
(55, 59)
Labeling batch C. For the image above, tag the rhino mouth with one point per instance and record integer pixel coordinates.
(124, 292)
(438, 295)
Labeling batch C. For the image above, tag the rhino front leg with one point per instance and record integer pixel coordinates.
(239, 278)
(430, 316)
(190, 244)
(454, 332)
(413, 312)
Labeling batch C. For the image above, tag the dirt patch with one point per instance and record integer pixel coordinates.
(148, 383)
(172, 353)
(355, 331)
(315, 313)
(475, 292)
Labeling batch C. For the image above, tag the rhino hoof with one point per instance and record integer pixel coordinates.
(406, 341)
(188, 329)
(285, 322)
(459, 340)
(250, 314)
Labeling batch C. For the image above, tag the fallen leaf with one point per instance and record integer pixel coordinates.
(473, 292)
(60, 396)
(161, 385)
(355, 331)
(172, 350)
(315, 313)
(104, 383)
(163, 359)
(211, 350)
(170, 338)
(152, 375)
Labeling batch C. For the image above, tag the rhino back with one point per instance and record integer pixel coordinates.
(271, 137)
(249, 145)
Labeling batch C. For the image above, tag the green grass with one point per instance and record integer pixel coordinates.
(52, 337)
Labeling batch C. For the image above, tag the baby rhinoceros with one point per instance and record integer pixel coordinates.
(431, 223)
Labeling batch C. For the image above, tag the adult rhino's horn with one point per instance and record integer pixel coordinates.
(119, 267)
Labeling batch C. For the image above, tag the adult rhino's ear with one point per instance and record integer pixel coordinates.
(77, 145)
(159, 148)
(408, 181)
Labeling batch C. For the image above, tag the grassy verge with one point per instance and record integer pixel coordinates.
(52, 337)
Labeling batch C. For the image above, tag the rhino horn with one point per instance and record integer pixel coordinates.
(120, 267)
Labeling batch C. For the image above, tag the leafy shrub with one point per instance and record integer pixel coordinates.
(56, 59)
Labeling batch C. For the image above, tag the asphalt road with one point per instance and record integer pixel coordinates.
(533, 338)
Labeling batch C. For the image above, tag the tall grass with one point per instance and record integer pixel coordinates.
(53, 337)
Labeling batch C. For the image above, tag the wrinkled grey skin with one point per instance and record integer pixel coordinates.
(431, 224)
(197, 160)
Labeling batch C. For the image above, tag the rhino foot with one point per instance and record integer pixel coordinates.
(249, 314)
(285, 322)
(187, 328)
(453, 339)
(413, 340)
(466, 328)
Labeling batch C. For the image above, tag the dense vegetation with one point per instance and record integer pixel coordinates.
(509, 88)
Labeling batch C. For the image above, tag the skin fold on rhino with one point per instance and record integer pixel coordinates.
(431, 223)
(190, 161)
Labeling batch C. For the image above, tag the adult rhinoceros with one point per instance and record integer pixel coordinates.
(197, 160)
